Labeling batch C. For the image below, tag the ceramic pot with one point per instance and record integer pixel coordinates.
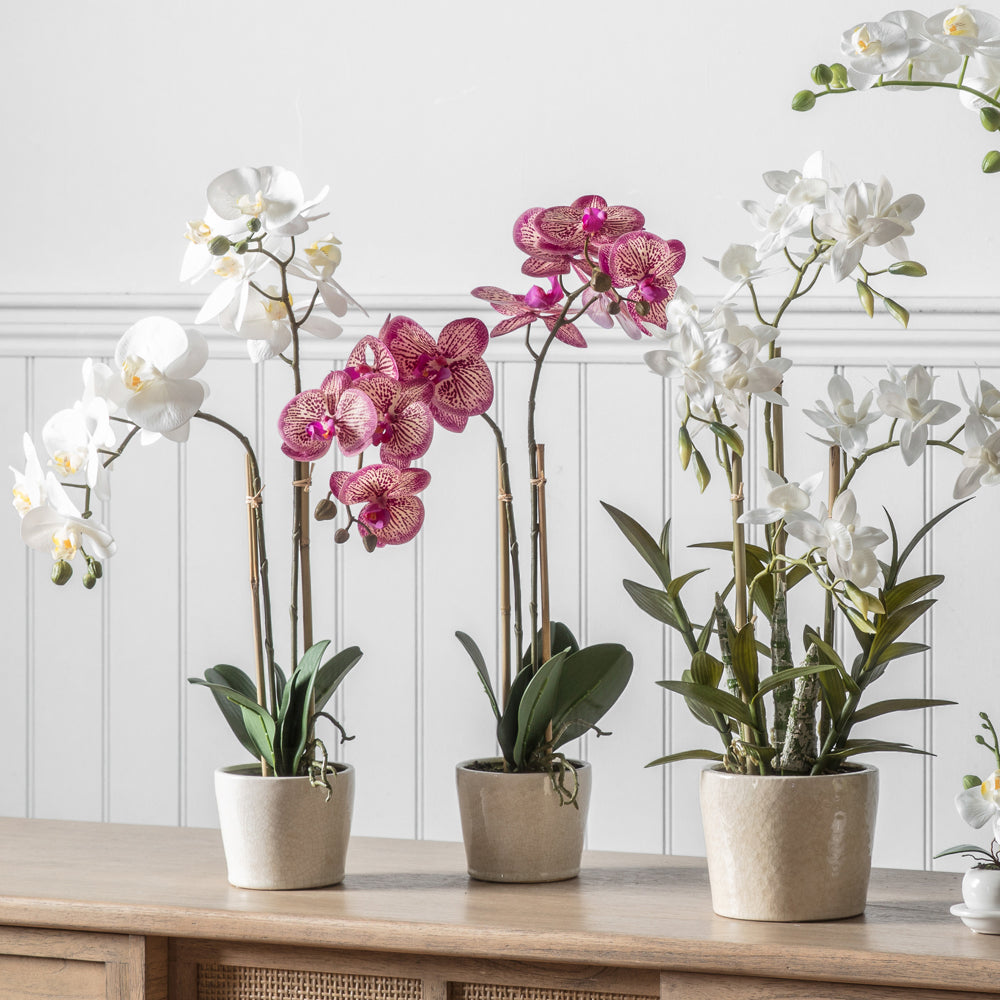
(789, 848)
(282, 833)
(515, 827)
(981, 889)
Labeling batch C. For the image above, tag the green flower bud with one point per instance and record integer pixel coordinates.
(839, 71)
(253, 224)
(702, 472)
(729, 437)
(685, 446)
(370, 542)
(601, 282)
(326, 510)
(241, 247)
(981, 740)
(822, 75)
(804, 100)
(908, 268)
(641, 307)
(61, 572)
(219, 247)
(970, 781)
(865, 603)
(989, 118)
(95, 567)
(867, 299)
(89, 580)
(898, 313)
(341, 535)
(991, 162)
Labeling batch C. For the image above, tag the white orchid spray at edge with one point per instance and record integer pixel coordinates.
(727, 365)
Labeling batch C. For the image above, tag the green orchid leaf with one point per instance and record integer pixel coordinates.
(897, 705)
(223, 680)
(675, 586)
(910, 590)
(773, 681)
(590, 682)
(896, 650)
(332, 673)
(743, 647)
(891, 627)
(964, 849)
(665, 544)
(707, 717)
(706, 669)
(642, 542)
(295, 716)
(655, 603)
(561, 639)
(261, 730)
(687, 755)
(280, 680)
(479, 661)
(713, 699)
(810, 637)
(854, 747)
(507, 728)
(534, 714)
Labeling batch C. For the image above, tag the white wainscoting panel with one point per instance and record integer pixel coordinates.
(102, 725)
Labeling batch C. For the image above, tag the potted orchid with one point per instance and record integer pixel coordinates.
(524, 812)
(783, 769)
(253, 238)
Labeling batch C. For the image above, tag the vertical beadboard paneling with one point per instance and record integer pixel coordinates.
(624, 454)
(68, 678)
(18, 562)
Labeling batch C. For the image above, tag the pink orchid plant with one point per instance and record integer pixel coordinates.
(598, 261)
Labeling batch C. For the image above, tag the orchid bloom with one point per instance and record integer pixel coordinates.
(872, 49)
(931, 60)
(845, 424)
(740, 265)
(981, 460)
(981, 804)
(370, 356)
(848, 546)
(74, 439)
(29, 486)
(785, 500)
(748, 375)
(647, 263)
(391, 511)
(535, 304)
(56, 526)
(272, 195)
(545, 259)
(908, 400)
(984, 405)
(968, 32)
(590, 219)
(337, 411)
(157, 360)
(461, 383)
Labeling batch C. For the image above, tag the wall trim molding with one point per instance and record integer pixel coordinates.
(942, 331)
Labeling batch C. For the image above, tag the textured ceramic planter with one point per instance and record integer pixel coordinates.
(281, 833)
(981, 889)
(515, 828)
(789, 848)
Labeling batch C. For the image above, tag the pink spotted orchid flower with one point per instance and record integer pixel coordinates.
(405, 424)
(391, 511)
(536, 304)
(453, 366)
(590, 219)
(315, 418)
(648, 264)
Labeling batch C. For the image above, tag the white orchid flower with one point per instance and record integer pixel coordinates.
(785, 500)
(271, 194)
(29, 486)
(984, 406)
(264, 324)
(198, 260)
(968, 32)
(74, 438)
(902, 211)
(749, 375)
(981, 460)
(157, 360)
(908, 400)
(236, 271)
(57, 527)
(981, 804)
(848, 546)
(872, 49)
(929, 59)
(845, 424)
(741, 265)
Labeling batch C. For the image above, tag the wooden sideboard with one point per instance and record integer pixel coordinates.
(93, 911)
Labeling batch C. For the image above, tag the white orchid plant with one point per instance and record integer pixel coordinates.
(810, 522)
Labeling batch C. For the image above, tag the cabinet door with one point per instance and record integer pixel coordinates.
(38, 964)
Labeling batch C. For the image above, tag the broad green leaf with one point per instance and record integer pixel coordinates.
(962, 849)
(687, 755)
(535, 711)
(675, 585)
(561, 639)
(221, 686)
(706, 669)
(332, 673)
(479, 661)
(280, 680)
(656, 603)
(891, 627)
(260, 728)
(293, 721)
(897, 705)
(714, 699)
(772, 681)
(810, 637)
(833, 691)
(642, 541)
(590, 682)
(895, 650)
(910, 590)
(704, 715)
(507, 728)
(743, 646)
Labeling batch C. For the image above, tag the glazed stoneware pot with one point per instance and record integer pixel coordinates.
(282, 833)
(789, 848)
(981, 889)
(515, 827)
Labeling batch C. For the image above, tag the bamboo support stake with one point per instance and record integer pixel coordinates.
(253, 499)
(304, 481)
(739, 547)
(543, 556)
(834, 475)
(503, 501)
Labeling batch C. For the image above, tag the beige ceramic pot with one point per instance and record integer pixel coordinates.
(795, 848)
(281, 833)
(515, 827)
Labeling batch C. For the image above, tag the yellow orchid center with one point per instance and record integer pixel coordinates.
(324, 255)
(65, 543)
(66, 462)
(228, 267)
(863, 42)
(961, 23)
(198, 231)
(22, 502)
(248, 207)
(990, 788)
(276, 311)
(137, 373)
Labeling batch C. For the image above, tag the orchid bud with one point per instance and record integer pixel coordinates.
(61, 572)
(867, 299)
(241, 247)
(601, 282)
(991, 162)
(219, 247)
(614, 308)
(822, 74)
(95, 567)
(865, 603)
(89, 580)
(898, 313)
(908, 268)
(839, 71)
(685, 446)
(370, 543)
(989, 118)
(641, 307)
(341, 535)
(804, 100)
(253, 224)
(702, 472)
(970, 781)
(728, 436)
(326, 510)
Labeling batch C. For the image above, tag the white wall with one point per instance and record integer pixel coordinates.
(435, 125)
